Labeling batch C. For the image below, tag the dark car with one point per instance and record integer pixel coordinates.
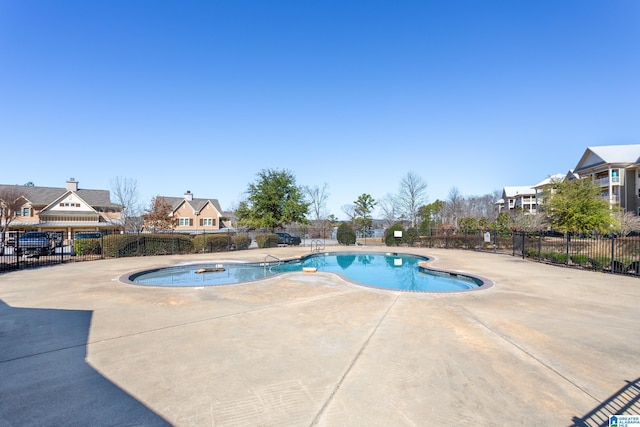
(288, 239)
(88, 235)
(35, 243)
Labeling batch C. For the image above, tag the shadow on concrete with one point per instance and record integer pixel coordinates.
(45, 379)
(625, 401)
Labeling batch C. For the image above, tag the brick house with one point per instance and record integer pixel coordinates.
(195, 215)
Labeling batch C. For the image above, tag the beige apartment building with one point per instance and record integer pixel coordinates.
(63, 210)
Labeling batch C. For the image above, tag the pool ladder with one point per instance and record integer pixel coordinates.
(317, 243)
(265, 263)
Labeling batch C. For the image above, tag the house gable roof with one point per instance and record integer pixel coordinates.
(54, 206)
(514, 191)
(44, 196)
(196, 204)
(549, 180)
(609, 154)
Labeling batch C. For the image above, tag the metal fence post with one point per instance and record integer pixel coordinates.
(495, 241)
(16, 245)
(539, 247)
(613, 253)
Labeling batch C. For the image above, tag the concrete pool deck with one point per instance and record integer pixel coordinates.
(546, 346)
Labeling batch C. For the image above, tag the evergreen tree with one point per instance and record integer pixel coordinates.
(576, 206)
(274, 200)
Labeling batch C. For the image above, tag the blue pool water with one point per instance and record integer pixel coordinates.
(380, 270)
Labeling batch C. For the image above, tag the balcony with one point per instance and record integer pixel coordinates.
(604, 181)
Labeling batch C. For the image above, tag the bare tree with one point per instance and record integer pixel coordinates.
(627, 222)
(389, 208)
(11, 199)
(412, 195)
(349, 211)
(318, 197)
(125, 193)
(454, 207)
(480, 206)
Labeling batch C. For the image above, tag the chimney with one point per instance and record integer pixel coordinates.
(72, 184)
(188, 196)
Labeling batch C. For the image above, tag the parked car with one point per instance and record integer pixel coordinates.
(35, 243)
(288, 239)
(87, 235)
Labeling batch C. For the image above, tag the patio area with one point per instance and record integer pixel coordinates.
(546, 345)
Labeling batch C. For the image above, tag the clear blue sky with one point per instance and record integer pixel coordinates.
(202, 95)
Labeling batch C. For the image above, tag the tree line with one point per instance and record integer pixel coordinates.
(274, 201)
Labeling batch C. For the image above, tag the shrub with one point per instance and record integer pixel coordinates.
(241, 242)
(346, 235)
(531, 252)
(125, 245)
(267, 240)
(412, 236)
(389, 238)
(580, 259)
(556, 257)
(600, 262)
(212, 242)
(87, 247)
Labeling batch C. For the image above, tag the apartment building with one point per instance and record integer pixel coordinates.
(63, 210)
(521, 198)
(616, 170)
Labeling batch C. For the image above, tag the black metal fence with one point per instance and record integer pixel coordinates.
(611, 254)
(24, 251)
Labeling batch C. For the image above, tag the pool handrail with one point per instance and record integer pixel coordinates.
(317, 243)
(265, 263)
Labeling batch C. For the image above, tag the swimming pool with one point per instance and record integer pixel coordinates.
(392, 271)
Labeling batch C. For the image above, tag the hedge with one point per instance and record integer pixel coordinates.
(267, 240)
(125, 245)
(87, 247)
(211, 242)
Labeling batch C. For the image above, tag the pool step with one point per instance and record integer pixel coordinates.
(309, 269)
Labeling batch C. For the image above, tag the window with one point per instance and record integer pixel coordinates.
(185, 222)
(23, 212)
(207, 222)
(615, 177)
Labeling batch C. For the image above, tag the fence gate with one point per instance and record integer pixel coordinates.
(518, 244)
